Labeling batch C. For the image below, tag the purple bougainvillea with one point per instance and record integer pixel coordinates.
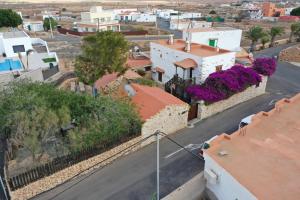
(265, 66)
(223, 84)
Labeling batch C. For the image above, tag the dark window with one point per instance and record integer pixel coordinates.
(148, 68)
(160, 76)
(160, 55)
(191, 73)
(18, 48)
(218, 68)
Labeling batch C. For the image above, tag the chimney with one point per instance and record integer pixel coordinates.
(187, 46)
(171, 39)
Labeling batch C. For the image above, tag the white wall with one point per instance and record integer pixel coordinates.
(174, 25)
(227, 39)
(165, 57)
(186, 16)
(146, 17)
(10, 42)
(35, 27)
(226, 188)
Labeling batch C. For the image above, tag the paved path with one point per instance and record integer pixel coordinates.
(133, 177)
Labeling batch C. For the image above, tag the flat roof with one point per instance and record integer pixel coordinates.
(13, 34)
(212, 29)
(264, 156)
(196, 49)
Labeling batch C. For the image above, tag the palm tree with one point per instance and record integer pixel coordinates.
(265, 39)
(254, 34)
(295, 28)
(275, 31)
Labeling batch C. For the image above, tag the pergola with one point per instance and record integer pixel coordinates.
(186, 64)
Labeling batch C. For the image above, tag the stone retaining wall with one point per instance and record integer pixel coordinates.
(205, 111)
(291, 54)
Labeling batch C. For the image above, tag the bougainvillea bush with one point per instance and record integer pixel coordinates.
(265, 66)
(223, 84)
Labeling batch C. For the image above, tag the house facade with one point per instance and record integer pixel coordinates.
(146, 17)
(186, 24)
(259, 161)
(271, 10)
(189, 61)
(223, 37)
(34, 26)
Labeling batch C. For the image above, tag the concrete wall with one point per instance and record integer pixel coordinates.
(10, 42)
(227, 187)
(205, 111)
(227, 39)
(174, 25)
(168, 120)
(165, 57)
(146, 17)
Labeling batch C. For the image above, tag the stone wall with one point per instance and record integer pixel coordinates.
(291, 54)
(168, 120)
(205, 111)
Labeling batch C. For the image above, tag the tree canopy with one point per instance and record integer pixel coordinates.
(274, 32)
(33, 114)
(254, 34)
(295, 12)
(46, 23)
(9, 18)
(102, 53)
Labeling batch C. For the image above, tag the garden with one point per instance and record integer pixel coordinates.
(42, 123)
(223, 84)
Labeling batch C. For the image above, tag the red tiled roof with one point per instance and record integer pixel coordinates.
(151, 100)
(105, 80)
(158, 69)
(186, 63)
(138, 63)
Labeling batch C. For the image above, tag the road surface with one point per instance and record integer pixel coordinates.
(133, 177)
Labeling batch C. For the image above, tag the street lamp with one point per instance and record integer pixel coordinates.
(28, 52)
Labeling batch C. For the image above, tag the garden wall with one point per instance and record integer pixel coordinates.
(205, 111)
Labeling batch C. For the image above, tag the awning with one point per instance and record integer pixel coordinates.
(186, 63)
(158, 69)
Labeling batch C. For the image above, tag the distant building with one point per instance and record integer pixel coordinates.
(288, 11)
(128, 16)
(97, 19)
(270, 10)
(34, 26)
(146, 17)
(189, 61)
(252, 14)
(223, 37)
(186, 24)
(259, 161)
(185, 15)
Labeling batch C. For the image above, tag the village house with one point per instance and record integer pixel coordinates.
(182, 24)
(223, 37)
(189, 61)
(97, 19)
(128, 16)
(34, 26)
(146, 17)
(271, 10)
(18, 52)
(259, 161)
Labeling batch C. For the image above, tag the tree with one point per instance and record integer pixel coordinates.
(102, 53)
(9, 18)
(254, 34)
(275, 31)
(212, 12)
(46, 24)
(295, 12)
(295, 28)
(265, 39)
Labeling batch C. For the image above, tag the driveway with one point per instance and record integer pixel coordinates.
(133, 177)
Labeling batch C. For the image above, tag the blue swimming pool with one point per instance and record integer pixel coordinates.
(9, 65)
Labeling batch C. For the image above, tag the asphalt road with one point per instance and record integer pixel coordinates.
(133, 176)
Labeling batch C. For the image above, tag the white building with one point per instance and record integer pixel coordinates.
(186, 24)
(34, 26)
(128, 16)
(166, 13)
(255, 13)
(288, 11)
(97, 19)
(222, 37)
(188, 61)
(185, 15)
(146, 17)
(17, 49)
(259, 161)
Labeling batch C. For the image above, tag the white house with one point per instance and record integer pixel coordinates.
(288, 10)
(187, 60)
(97, 19)
(185, 15)
(259, 161)
(186, 24)
(255, 13)
(223, 37)
(166, 13)
(146, 17)
(128, 16)
(34, 26)
(17, 50)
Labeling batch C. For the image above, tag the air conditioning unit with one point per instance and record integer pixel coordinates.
(210, 176)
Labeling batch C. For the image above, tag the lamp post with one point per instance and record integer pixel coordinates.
(28, 52)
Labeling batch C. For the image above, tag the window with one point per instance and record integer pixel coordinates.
(213, 42)
(148, 68)
(160, 76)
(218, 68)
(161, 55)
(18, 48)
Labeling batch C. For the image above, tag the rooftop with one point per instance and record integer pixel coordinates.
(212, 29)
(151, 100)
(264, 156)
(138, 63)
(13, 34)
(196, 49)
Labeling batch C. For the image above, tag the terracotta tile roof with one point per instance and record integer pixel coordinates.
(129, 74)
(138, 63)
(186, 63)
(158, 69)
(264, 156)
(151, 100)
(200, 50)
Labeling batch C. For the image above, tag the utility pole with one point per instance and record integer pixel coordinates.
(98, 24)
(157, 165)
(50, 24)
